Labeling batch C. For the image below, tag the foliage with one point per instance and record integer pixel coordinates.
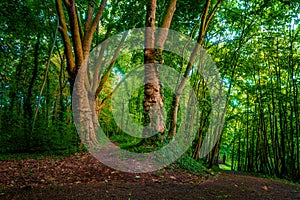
(255, 46)
(188, 163)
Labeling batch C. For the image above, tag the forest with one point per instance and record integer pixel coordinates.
(49, 49)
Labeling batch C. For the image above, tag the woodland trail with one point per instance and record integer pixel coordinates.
(71, 180)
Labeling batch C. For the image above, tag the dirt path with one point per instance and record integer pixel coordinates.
(223, 186)
(71, 180)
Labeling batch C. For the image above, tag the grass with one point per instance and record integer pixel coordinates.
(275, 178)
(189, 164)
(38, 156)
(225, 167)
(20, 156)
(125, 141)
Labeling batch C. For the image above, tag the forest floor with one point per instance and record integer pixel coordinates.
(83, 177)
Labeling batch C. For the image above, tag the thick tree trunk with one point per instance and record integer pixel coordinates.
(153, 103)
(85, 114)
(153, 100)
(77, 53)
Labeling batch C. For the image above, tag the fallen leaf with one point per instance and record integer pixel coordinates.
(265, 188)
(155, 180)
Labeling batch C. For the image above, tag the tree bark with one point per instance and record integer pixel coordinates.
(87, 118)
(153, 100)
(84, 109)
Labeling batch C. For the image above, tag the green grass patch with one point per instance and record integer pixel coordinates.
(190, 164)
(225, 167)
(38, 156)
(125, 141)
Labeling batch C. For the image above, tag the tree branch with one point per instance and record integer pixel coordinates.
(163, 33)
(98, 68)
(66, 39)
(114, 59)
(213, 13)
(89, 18)
(203, 23)
(91, 27)
(70, 4)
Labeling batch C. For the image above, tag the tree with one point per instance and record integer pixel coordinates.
(206, 17)
(153, 103)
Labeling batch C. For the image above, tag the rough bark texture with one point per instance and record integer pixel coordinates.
(85, 117)
(153, 102)
(77, 53)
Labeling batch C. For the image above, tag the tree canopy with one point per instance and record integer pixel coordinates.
(254, 45)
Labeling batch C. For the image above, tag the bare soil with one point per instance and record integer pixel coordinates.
(83, 177)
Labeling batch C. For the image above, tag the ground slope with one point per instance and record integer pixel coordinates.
(82, 177)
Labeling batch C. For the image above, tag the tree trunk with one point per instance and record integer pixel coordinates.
(85, 114)
(28, 111)
(205, 19)
(77, 54)
(153, 100)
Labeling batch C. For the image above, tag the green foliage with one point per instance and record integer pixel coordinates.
(263, 76)
(125, 141)
(254, 44)
(188, 163)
